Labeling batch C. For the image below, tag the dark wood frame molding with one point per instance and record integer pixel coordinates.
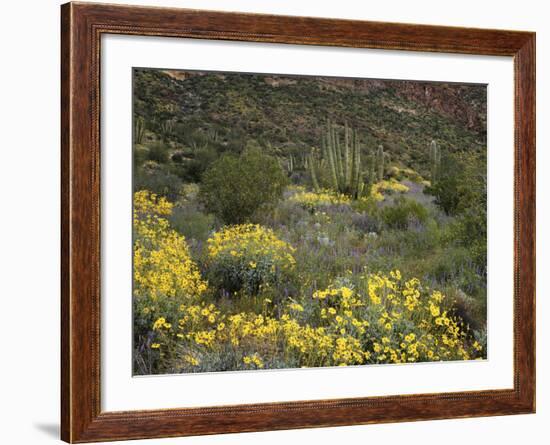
(82, 25)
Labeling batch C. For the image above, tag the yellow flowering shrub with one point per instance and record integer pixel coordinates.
(380, 189)
(374, 195)
(393, 321)
(146, 202)
(165, 276)
(387, 187)
(247, 256)
(411, 323)
(384, 319)
(405, 173)
(313, 200)
(253, 361)
(162, 264)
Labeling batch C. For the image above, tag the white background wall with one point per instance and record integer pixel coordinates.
(29, 221)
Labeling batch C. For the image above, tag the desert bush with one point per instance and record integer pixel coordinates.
(165, 276)
(405, 173)
(312, 201)
(235, 187)
(367, 204)
(403, 212)
(473, 311)
(388, 187)
(469, 230)
(157, 179)
(286, 213)
(203, 157)
(140, 155)
(248, 256)
(366, 222)
(189, 192)
(158, 152)
(423, 236)
(383, 188)
(455, 266)
(461, 184)
(462, 192)
(395, 321)
(192, 222)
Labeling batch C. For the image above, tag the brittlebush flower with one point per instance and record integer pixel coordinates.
(248, 256)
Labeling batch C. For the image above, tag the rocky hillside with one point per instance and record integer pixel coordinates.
(287, 114)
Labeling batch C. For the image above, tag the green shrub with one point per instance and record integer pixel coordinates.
(200, 160)
(247, 256)
(191, 222)
(158, 152)
(366, 222)
(403, 212)
(400, 174)
(235, 187)
(469, 230)
(157, 179)
(462, 192)
(423, 237)
(460, 183)
(141, 154)
(366, 205)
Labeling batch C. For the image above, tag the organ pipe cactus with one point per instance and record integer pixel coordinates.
(343, 159)
(312, 166)
(435, 159)
(139, 130)
(380, 167)
(290, 164)
(166, 129)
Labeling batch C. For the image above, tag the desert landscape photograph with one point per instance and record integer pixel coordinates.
(293, 221)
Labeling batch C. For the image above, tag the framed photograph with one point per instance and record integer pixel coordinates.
(274, 222)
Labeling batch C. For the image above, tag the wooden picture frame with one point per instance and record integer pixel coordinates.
(82, 25)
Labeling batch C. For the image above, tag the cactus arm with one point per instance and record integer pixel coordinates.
(314, 180)
(435, 159)
(380, 162)
(359, 173)
(348, 158)
(331, 163)
(139, 130)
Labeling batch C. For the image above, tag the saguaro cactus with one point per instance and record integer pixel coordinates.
(435, 159)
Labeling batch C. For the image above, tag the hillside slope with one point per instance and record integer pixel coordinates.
(286, 114)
